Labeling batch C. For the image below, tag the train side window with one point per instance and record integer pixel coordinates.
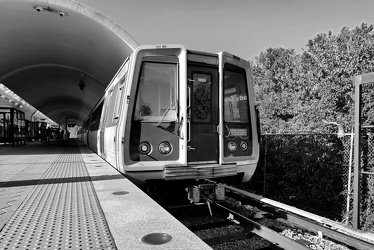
(95, 118)
(105, 111)
(116, 106)
(98, 116)
(109, 112)
(119, 99)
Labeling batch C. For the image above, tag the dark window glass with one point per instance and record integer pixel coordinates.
(202, 97)
(156, 96)
(235, 97)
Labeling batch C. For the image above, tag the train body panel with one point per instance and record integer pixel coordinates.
(174, 114)
(109, 148)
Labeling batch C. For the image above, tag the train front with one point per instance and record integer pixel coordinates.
(190, 116)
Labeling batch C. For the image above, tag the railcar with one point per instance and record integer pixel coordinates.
(176, 114)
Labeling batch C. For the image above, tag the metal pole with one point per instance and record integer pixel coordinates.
(357, 154)
(349, 175)
(266, 149)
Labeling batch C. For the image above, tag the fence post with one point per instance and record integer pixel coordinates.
(349, 175)
(357, 154)
(266, 149)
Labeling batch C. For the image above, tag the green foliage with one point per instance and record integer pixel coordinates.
(296, 92)
(275, 87)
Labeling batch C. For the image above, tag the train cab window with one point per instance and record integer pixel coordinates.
(157, 93)
(235, 97)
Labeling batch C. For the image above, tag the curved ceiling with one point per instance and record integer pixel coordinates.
(48, 46)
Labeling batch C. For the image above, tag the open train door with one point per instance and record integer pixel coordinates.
(203, 113)
(239, 141)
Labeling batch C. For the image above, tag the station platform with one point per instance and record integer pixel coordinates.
(61, 195)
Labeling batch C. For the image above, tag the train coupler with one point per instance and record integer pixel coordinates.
(206, 192)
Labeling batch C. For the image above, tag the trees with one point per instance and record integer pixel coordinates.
(275, 77)
(296, 92)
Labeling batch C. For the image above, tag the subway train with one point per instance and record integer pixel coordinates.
(174, 114)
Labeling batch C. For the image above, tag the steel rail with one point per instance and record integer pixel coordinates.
(308, 220)
(264, 232)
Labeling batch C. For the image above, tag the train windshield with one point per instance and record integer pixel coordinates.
(156, 96)
(236, 98)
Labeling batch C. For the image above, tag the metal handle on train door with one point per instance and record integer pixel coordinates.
(189, 131)
(188, 97)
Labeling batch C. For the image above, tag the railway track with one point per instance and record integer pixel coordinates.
(217, 224)
(321, 226)
(223, 225)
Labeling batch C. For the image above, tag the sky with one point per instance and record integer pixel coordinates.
(242, 27)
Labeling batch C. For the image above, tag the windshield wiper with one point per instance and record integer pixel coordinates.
(172, 105)
(177, 133)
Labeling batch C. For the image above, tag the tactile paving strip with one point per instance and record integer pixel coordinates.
(61, 212)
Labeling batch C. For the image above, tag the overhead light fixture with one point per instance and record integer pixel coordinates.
(82, 84)
(51, 10)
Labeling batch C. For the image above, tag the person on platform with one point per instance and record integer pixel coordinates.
(42, 132)
(48, 133)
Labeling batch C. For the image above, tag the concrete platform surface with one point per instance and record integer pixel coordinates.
(61, 195)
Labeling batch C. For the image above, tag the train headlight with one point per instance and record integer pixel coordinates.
(164, 148)
(144, 148)
(232, 146)
(244, 146)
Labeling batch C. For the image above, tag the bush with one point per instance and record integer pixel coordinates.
(302, 170)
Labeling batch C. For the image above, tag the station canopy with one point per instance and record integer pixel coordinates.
(59, 56)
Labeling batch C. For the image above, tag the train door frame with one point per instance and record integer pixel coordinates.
(125, 79)
(119, 109)
(101, 132)
(149, 51)
(202, 126)
(227, 58)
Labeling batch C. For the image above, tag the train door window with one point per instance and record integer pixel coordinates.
(237, 129)
(111, 105)
(96, 115)
(202, 98)
(119, 99)
(91, 121)
(235, 97)
(157, 92)
(105, 111)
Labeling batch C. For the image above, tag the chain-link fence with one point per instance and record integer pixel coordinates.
(308, 171)
(367, 179)
(314, 172)
(347, 169)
